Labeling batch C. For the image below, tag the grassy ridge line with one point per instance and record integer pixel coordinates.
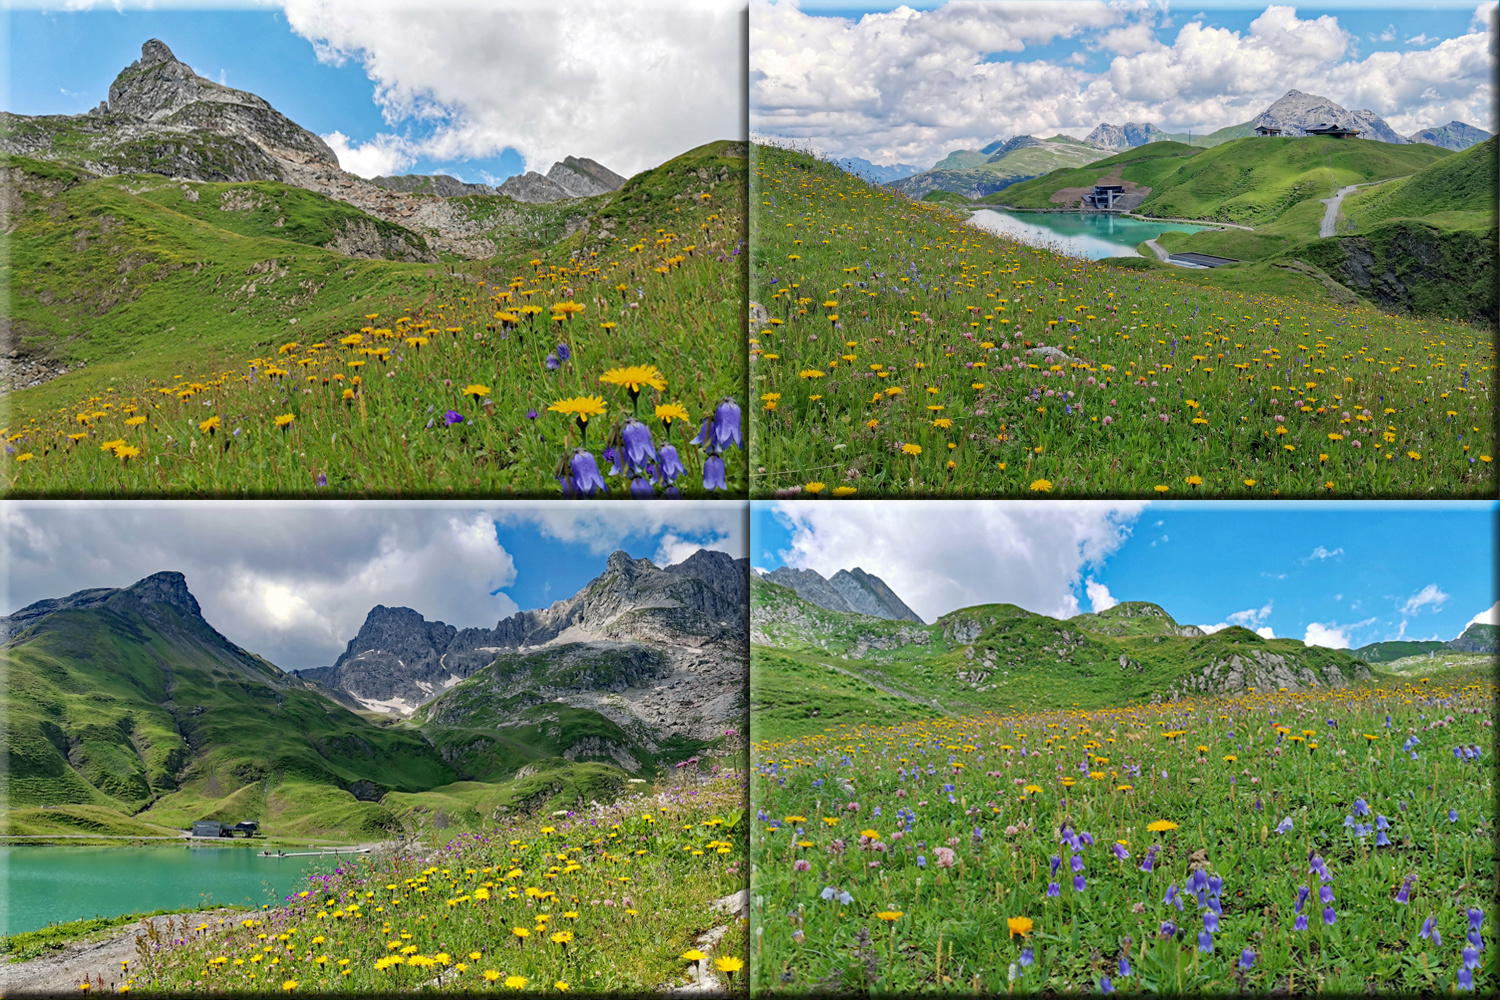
(812, 666)
(910, 301)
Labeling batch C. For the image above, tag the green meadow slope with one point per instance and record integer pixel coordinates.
(813, 668)
(139, 706)
(129, 715)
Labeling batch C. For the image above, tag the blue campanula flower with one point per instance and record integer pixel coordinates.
(669, 463)
(713, 474)
(586, 480)
(1247, 959)
(726, 429)
(1124, 966)
(1079, 884)
(1053, 890)
(1329, 917)
(641, 489)
(1206, 942)
(637, 446)
(1430, 931)
(1301, 924)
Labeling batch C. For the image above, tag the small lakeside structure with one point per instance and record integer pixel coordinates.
(1104, 196)
(214, 828)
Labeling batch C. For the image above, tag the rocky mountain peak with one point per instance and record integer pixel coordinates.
(155, 51)
(168, 587)
(1124, 136)
(157, 85)
(1295, 112)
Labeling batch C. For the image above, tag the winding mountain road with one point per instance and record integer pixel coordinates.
(1330, 217)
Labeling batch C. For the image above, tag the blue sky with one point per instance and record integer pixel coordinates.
(912, 83)
(293, 580)
(473, 88)
(1338, 573)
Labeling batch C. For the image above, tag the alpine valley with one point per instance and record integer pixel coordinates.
(130, 715)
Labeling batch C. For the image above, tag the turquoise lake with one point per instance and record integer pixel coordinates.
(1093, 235)
(42, 885)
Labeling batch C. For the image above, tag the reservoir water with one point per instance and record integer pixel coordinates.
(1093, 235)
(42, 885)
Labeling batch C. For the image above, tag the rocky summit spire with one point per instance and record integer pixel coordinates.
(155, 51)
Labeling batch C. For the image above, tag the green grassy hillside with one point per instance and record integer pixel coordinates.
(145, 710)
(1162, 379)
(812, 668)
(141, 291)
(975, 175)
(1248, 181)
(1385, 652)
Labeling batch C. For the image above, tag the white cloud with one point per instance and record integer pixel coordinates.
(1251, 617)
(1320, 553)
(943, 555)
(690, 526)
(1429, 597)
(1388, 35)
(1490, 617)
(294, 581)
(1100, 599)
(1266, 632)
(382, 156)
(1330, 636)
(629, 84)
(909, 86)
(1421, 39)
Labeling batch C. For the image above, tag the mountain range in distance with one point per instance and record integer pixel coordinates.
(975, 173)
(128, 713)
(857, 592)
(813, 667)
(848, 590)
(161, 117)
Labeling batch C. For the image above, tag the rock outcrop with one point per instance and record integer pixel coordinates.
(1124, 136)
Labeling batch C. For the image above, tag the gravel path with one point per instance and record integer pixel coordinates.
(59, 973)
(1330, 217)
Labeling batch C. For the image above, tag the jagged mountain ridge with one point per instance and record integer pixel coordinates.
(1295, 112)
(399, 660)
(163, 118)
(853, 591)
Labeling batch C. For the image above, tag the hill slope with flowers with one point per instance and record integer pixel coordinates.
(898, 350)
(811, 666)
(212, 336)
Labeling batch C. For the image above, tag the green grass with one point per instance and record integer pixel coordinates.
(925, 856)
(43, 941)
(205, 327)
(1171, 383)
(608, 899)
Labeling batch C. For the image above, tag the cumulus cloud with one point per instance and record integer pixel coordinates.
(1428, 598)
(1330, 636)
(943, 555)
(380, 157)
(629, 84)
(909, 86)
(1266, 632)
(1251, 618)
(1100, 599)
(1490, 617)
(294, 581)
